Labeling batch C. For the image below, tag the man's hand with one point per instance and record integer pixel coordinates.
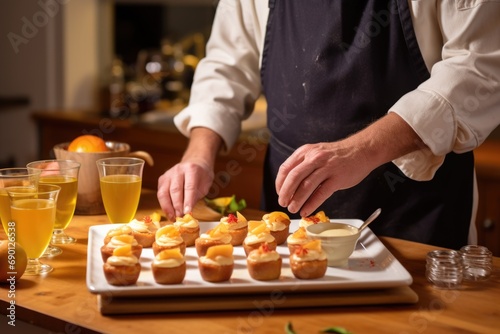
(183, 185)
(315, 171)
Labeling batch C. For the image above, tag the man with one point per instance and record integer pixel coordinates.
(370, 104)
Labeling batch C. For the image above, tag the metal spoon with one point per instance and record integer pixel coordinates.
(370, 219)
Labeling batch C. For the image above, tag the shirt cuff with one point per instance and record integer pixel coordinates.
(212, 116)
(432, 118)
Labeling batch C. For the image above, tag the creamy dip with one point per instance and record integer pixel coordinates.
(339, 232)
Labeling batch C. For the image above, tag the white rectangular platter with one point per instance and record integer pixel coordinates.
(371, 266)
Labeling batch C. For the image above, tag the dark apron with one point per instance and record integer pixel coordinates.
(329, 69)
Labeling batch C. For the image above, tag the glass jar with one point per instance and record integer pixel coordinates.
(444, 268)
(477, 262)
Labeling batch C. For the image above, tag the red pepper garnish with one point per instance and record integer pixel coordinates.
(147, 219)
(232, 218)
(301, 251)
(312, 219)
(264, 248)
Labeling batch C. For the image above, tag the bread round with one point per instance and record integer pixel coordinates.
(189, 235)
(215, 273)
(122, 275)
(238, 235)
(281, 236)
(163, 275)
(264, 271)
(308, 269)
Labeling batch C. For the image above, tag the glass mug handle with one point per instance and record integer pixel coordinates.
(142, 155)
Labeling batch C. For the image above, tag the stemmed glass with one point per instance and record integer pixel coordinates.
(62, 173)
(33, 214)
(14, 177)
(121, 181)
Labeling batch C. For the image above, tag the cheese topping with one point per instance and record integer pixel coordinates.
(219, 232)
(218, 261)
(234, 222)
(276, 226)
(187, 221)
(262, 237)
(116, 241)
(292, 240)
(257, 256)
(122, 260)
(319, 217)
(224, 238)
(169, 262)
(167, 241)
(309, 255)
(143, 227)
(125, 229)
(276, 221)
(298, 237)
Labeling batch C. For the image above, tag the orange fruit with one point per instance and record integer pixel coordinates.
(13, 259)
(88, 143)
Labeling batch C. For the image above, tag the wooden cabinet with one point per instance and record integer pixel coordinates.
(238, 173)
(487, 158)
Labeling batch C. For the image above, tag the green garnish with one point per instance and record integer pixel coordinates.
(289, 328)
(225, 205)
(236, 206)
(336, 330)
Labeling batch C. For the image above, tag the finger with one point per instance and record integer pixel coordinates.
(318, 197)
(163, 195)
(177, 194)
(286, 167)
(192, 191)
(305, 189)
(293, 181)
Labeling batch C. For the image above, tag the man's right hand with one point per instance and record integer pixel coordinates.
(180, 187)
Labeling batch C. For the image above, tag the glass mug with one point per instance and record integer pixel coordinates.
(33, 214)
(121, 182)
(63, 173)
(14, 177)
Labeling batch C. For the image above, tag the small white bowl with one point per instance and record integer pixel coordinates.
(338, 240)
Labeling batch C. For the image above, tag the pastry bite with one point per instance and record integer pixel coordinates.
(119, 241)
(237, 226)
(218, 264)
(122, 268)
(144, 230)
(157, 219)
(169, 266)
(309, 261)
(189, 228)
(121, 230)
(258, 233)
(319, 217)
(278, 224)
(168, 237)
(264, 264)
(219, 235)
(297, 239)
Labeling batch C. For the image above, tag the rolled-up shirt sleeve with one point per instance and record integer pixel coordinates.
(227, 81)
(459, 105)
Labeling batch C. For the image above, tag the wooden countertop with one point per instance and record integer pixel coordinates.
(61, 302)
